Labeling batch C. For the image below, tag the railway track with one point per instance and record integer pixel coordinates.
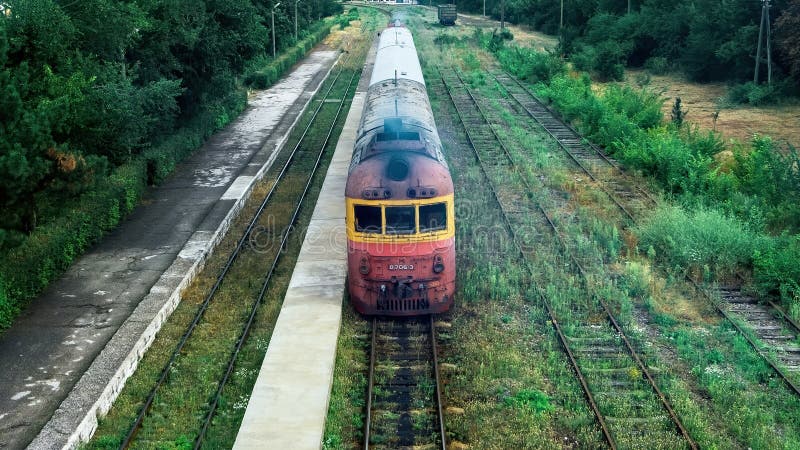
(620, 389)
(772, 334)
(769, 330)
(289, 188)
(626, 194)
(769, 325)
(404, 407)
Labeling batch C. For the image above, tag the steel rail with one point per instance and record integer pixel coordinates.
(610, 316)
(562, 338)
(716, 305)
(206, 302)
(370, 384)
(437, 385)
(785, 315)
(268, 277)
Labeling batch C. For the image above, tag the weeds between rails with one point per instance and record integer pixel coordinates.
(628, 196)
(286, 171)
(483, 143)
(404, 405)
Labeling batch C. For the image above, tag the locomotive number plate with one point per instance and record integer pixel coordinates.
(401, 267)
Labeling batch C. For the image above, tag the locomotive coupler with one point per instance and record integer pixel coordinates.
(402, 289)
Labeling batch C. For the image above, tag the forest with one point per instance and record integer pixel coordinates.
(705, 39)
(103, 97)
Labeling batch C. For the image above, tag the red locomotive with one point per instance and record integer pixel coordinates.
(399, 195)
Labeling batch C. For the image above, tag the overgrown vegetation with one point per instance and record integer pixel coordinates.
(753, 188)
(101, 98)
(703, 386)
(736, 209)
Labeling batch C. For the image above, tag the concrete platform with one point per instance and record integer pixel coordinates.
(67, 357)
(289, 403)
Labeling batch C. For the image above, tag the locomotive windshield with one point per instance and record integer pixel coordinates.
(368, 219)
(400, 220)
(432, 217)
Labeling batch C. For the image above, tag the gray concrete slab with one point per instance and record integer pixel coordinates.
(289, 403)
(68, 355)
(326, 239)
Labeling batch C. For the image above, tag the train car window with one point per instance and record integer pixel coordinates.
(368, 219)
(383, 137)
(433, 217)
(400, 220)
(408, 136)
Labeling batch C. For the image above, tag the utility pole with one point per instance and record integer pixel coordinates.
(765, 24)
(629, 6)
(484, 9)
(295, 20)
(561, 30)
(273, 28)
(502, 14)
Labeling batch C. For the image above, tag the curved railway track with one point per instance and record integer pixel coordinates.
(404, 406)
(606, 363)
(771, 331)
(292, 181)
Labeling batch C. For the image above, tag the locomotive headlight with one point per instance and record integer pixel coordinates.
(364, 266)
(438, 264)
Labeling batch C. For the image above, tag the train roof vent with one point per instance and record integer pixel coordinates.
(401, 136)
(392, 125)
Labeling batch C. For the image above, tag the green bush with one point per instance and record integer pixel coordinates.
(657, 65)
(344, 19)
(264, 72)
(762, 94)
(777, 271)
(635, 280)
(585, 58)
(610, 62)
(530, 65)
(47, 252)
(605, 59)
(28, 268)
(529, 399)
(8, 310)
(704, 241)
(442, 39)
(642, 107)
(773, 178)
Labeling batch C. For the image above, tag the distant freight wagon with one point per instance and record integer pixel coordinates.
(447, 14)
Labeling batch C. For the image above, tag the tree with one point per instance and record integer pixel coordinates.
(787, 33)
